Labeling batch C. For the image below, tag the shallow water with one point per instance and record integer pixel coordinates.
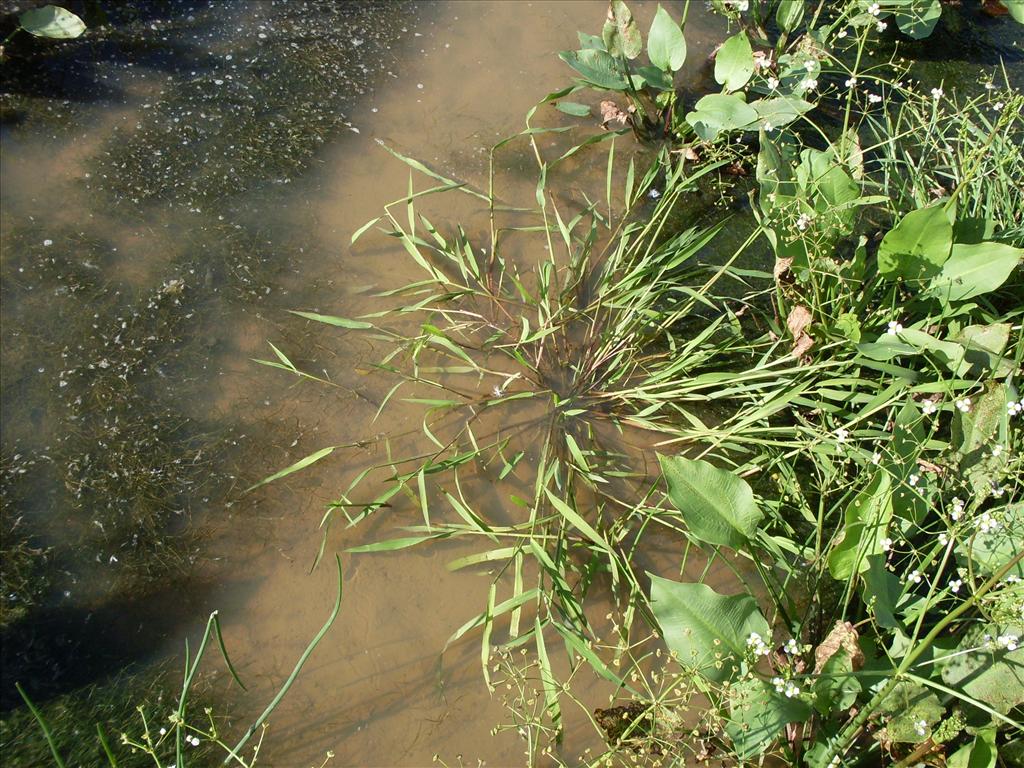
(202, 177)
(182, 182)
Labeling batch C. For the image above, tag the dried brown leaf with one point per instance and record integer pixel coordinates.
(843, 635)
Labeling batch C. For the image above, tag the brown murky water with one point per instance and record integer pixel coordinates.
(377, 691)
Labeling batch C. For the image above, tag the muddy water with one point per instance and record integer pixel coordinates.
(248, 235)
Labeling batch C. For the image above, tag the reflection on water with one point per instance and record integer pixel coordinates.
(202, 173)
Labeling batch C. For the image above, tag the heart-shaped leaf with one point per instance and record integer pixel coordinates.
(917, 246)
(734, 63)
(719, 112)
(718, 507)
(666, 46)
(620, 34)
(597, 67)
(51, 21)
(973, 269)
(707, 631)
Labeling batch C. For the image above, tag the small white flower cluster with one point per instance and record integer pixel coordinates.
(886, 544)
(874, 9)
(193, 740)
(921, 727)
(987, 523)
(841, 434)
(936, 93)
(914, 577)
(1015, 408)
(894, 327)
(757, 644)
(792, 647)
(963, 404)
(929, 407)
(787, 687)
(803, 221)
(955, 584)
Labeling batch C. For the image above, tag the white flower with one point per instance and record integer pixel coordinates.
(998, 106)
(758, 645)
(768, 127)
(810, 64)
(874, 98)
(809, 84)
(47, 242)
(851, 81)
(997, 491)
(874, 9)
(1014, 409)
(954, 585)
(792, 647)
(997, 449)
(987, 523)
(936, 93)
(803, 221)
(958, 509)
(886, 544)
(654, 194)
(842, 33)
(921, 726)
(914, 479)
(1009, 642)
(929, 407)
(881, 26)
(914, 576)
(963, 404)
(163, 731)
(894, 328)
(779, 683)
(841, 434)
(876, 457)
(792, 690)
(772, 83)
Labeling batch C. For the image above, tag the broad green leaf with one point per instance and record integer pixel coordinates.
(836, 688)
(707, 631)
(597, 67)
(666, 46)
(993, 677)
(867, 518)
(988, 552)
(656, 78)
(719, 112)
(780, 111)
(917, 246)
(718, 507)
(974, 432)
(590, 41)
(734, 63)
(917, 18)
(774, 170)
(909, 704)
(51, 21)
(882, 590)
(789, 14)
(620, 33)
(757, 715)
(573, 108)
(340, 322)
(983, 350)
(974, 269)
(981, 753)
(848, 325)
(1016, 9)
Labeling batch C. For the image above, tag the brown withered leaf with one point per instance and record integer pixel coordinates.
(782, 268)
(844, 636)
(611, 114)
(798, 320)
